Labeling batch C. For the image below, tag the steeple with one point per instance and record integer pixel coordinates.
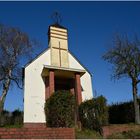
(58, 43)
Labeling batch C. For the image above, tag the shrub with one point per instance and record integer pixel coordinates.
(94, 113)
(5, 118)
(9, 119)
(17, 117)
(59, 109)
(102, 110)
(121, 113)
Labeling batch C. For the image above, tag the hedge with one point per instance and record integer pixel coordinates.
(121, 113)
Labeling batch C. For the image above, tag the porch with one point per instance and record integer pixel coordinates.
(59, 78)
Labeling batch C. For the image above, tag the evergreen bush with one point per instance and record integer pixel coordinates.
(60, 109)
(14, 118)
(94, 113)
(17, 117)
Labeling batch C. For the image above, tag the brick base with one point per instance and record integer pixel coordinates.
(34, 125)
(37, 133)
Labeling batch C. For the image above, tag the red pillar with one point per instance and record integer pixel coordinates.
(78, 88)
(51, 82)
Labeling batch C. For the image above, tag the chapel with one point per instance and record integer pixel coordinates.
(54, 69)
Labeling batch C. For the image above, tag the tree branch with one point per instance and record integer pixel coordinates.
(2, 78)
(15, 80)
(138, 81)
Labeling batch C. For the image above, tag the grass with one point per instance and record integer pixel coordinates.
(131, 134)
(87, 134)
(13, 126)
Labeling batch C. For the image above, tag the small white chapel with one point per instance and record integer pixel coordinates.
(54, 69)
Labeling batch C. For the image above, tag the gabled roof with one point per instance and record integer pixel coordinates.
(47, 50)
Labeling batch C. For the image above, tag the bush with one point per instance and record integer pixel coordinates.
(121, 113)
(94, 113)
(14, 118)
(59, 109)
(102, 110)
(5, 118)
(17, 117)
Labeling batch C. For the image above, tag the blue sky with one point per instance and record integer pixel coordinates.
(91, 27)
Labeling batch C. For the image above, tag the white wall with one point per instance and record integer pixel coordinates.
(34, 89)
(86, 82)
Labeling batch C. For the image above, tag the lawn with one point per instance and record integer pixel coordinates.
(12, 126)
(123, 131)
(132, 133)
(87, 134)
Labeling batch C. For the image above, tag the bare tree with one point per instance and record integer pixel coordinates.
(15, 46)
(125, 57)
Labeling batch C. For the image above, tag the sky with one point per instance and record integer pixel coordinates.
(91, 28)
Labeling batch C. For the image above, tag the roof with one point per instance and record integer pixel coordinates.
(47, 50)
(62, 71)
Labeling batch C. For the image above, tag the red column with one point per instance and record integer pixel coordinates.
(51, 82)
(78, 88)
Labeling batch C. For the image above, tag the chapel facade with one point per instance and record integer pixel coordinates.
(54, 69)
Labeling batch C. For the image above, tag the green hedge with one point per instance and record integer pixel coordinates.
(59, 109)
(94, 113)
(121, 113)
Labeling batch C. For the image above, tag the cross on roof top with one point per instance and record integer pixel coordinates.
(56, 17)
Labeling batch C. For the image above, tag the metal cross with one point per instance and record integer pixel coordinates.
(56, 17)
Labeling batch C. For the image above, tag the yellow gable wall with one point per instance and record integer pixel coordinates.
(59, 47)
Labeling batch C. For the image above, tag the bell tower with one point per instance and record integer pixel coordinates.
(58, 43)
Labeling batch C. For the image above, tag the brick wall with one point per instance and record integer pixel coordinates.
(37, 133)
